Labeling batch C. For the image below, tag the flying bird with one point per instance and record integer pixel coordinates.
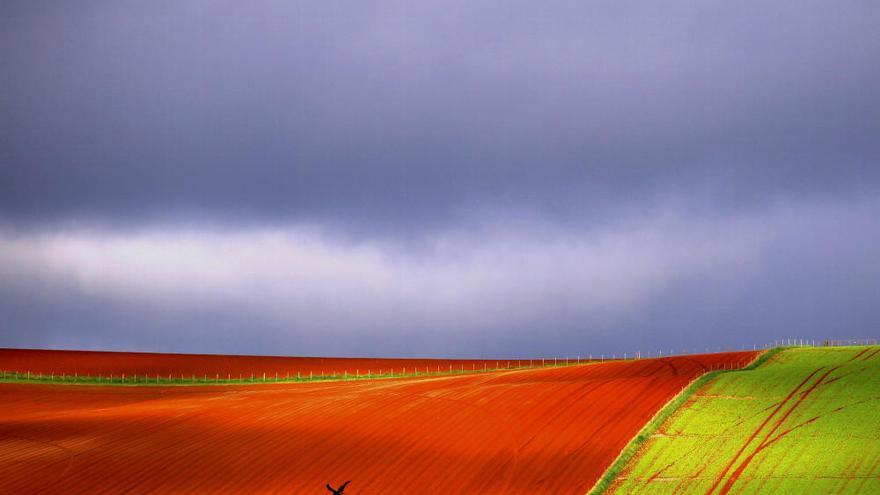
(340, 490)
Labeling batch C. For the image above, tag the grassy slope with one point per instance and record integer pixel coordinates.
(657, 421)
(827, 434)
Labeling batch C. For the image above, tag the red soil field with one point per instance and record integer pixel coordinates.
(227, 366)
(546, 430)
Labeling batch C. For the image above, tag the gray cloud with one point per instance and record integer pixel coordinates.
(453, 174)
(669, 280)
(289, 111)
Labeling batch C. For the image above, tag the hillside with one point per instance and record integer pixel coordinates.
(551, 430)
(804, 422)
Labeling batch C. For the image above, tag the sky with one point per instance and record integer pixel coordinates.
(442, 179)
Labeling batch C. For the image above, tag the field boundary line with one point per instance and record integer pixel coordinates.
(665, 412)
(20, 377)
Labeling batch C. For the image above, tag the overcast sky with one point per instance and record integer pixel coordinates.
(438, 178)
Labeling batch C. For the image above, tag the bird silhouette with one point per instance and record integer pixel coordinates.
(340, 490)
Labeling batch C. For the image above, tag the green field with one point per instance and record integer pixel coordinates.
(805, 422)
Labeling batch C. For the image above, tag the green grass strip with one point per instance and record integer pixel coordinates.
(668, 410)
(257, 379)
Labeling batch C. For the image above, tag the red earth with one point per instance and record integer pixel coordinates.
(544, 430)
(227, 366)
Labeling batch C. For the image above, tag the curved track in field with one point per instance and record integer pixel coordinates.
(552, 430)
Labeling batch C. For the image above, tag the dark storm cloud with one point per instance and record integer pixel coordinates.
(121, 111)
(437, 178)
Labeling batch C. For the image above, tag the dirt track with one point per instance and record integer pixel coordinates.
(551, 430)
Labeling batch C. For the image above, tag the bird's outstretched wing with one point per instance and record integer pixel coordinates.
(330, 488)
(344, 485)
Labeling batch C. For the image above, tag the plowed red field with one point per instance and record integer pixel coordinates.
(552, 430)
(151, 364)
